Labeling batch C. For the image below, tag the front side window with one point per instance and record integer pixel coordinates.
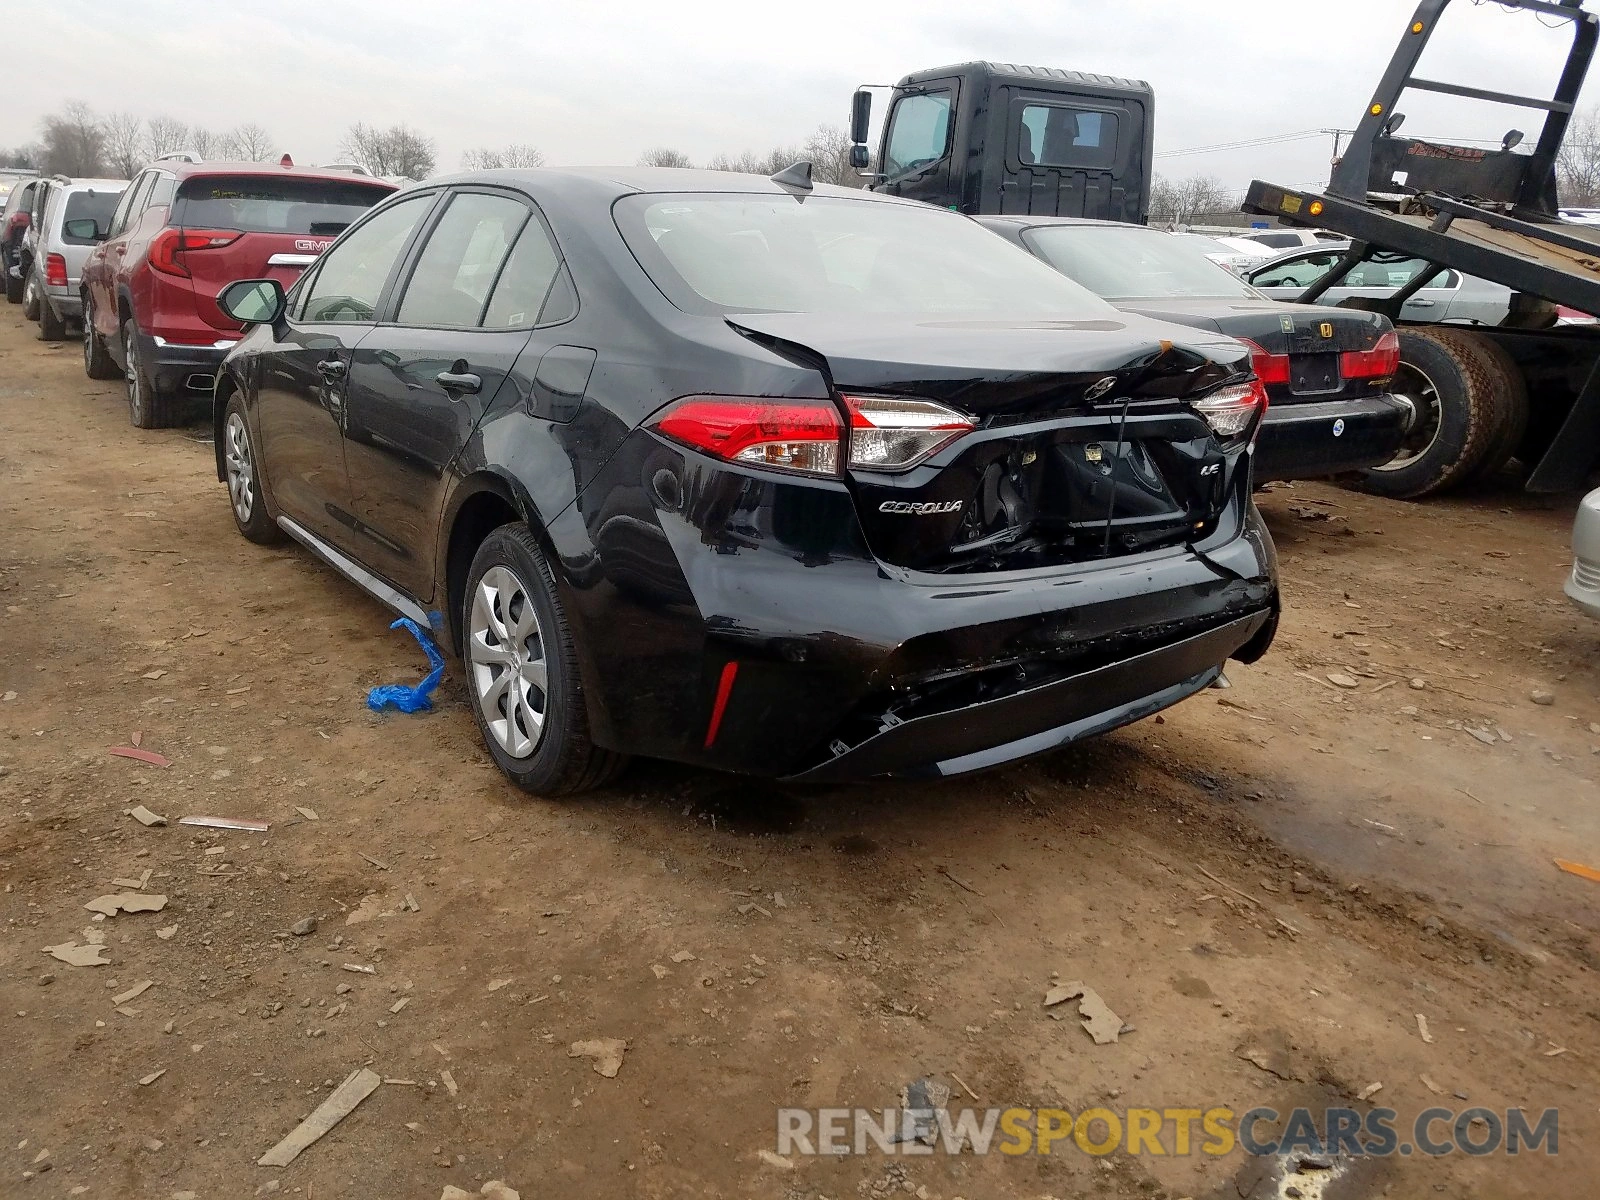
(1054, 135)
(1299, 272)
(352, 273)
(1131, 262)
(1391, 271)
(919, 132)
(765, 253)
(461, 262)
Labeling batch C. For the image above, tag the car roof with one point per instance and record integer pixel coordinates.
(1016, 73)
(627, 181)
(191, 170)
(88, 185)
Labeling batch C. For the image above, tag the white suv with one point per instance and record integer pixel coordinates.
(62, 240)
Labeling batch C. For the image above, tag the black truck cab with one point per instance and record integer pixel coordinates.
(993, 138)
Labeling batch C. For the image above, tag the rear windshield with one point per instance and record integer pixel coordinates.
(263, 204)
(83, 205)
(1130, 262)
(765, 253)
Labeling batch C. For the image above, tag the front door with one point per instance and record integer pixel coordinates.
(421, 383)
(300, 410)
(917, 138)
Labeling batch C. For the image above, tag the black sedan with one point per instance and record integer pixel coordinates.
(1327, 370)
(740, 472)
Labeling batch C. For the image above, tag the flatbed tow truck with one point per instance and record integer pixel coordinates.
(1528, 388)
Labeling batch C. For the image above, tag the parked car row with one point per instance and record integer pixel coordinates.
(137, 265)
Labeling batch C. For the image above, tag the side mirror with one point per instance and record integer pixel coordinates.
(860, 158)
(860, 116)
(252, 301)
(84, 229)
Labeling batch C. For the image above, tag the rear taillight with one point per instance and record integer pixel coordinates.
(1382, 361)
(1572, 316)
(790, 435)
(169, 246)
(889, 433)
(1231, 410)
(1269, 368)
(55, 270)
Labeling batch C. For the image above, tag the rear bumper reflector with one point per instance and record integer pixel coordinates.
(724, 688)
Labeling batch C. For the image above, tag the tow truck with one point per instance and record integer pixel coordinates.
(1480, 395)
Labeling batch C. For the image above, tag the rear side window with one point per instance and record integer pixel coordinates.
(268, 204)
(461, 262)
(83, 205)
(351, 275)
(1278, 241)
(1054, 135)
(519, 296)
(919, 131)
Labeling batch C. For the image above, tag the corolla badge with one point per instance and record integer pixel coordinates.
(911, 508)
(1100, 387)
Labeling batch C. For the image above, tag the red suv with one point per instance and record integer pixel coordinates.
(183, 232)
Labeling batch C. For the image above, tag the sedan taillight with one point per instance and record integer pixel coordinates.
(891, 433)
(1382, 361)
(1269, 368)
(169, 246)
(1230, 410)
(55, 270)
(789, 435)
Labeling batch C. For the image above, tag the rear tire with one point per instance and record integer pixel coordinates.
(14, 287)
(522, 676)
(97, 362)
(1460, 413)
(1514, 392)
(30, 298)
(147, 408)
(51, 327)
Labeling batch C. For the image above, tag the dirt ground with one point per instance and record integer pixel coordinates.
(1289, 870)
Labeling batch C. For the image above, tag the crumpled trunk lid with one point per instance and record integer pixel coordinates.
(1085, 445)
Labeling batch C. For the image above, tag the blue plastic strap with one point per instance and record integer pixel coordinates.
(403, 696)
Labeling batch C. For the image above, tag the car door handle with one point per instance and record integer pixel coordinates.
(331, 369)
(1420, 303)
(460, 381)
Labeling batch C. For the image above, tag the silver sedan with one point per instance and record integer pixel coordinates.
(1452, 297)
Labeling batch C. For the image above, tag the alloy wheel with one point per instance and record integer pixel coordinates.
(506, 661)
(240, 466)
(132, 375)
(1424, 416)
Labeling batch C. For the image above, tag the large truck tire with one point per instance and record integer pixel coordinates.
(1514, 390)
(1461, 413)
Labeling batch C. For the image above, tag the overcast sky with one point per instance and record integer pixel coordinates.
(594, 83)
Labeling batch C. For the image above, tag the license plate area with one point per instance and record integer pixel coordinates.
(1314, 374)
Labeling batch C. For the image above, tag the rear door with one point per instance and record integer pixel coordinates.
(1072, 156)
(421, 382)
(261, 226)
(300, 405)
(1375, 280)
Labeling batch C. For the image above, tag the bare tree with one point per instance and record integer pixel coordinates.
(752, 163)
(1578, 164)
(1184, 201)
(829, 151)
(124, 143)
(518, 154)
(163, 134)
(398, 150)
(205, 143)
(664, 156)
(25, 158)
(249, 142)
(74, 141)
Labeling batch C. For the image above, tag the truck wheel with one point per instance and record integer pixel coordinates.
(1513, 389)
(1458, 412)
(51, 327)
(97, 363)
